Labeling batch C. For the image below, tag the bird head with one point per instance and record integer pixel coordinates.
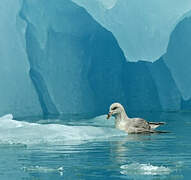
(115, 108)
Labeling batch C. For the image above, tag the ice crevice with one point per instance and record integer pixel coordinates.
(48, 107)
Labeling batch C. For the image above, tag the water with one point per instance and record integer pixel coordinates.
(93, 149)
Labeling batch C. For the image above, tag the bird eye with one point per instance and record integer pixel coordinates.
(114, 108)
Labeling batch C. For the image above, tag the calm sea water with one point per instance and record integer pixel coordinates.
(93, 149)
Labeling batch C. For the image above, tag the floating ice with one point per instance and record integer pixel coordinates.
(144, 169)
(20, 132)
(7, 116)
(41, 169)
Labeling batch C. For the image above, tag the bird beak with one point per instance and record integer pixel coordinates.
(109, 115)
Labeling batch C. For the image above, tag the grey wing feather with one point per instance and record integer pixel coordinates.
(140, 123)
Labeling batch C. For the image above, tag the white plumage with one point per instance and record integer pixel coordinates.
(131, 125)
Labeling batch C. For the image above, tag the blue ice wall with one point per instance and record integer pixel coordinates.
(79, 61)
(17, 93)
(140, 88)
(142, 27)
(168, 93)
(150, 87)
(55, 59)
(178, 57)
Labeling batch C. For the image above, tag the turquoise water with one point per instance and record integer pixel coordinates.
(93, 149)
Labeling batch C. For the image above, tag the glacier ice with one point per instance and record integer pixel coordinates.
(66, 60)
(168, 93)
(150, 86)
(178, 57)
(145, 25)
(140, 87)
(17, 93)
(107, 4)
(56, 59)
(74, 57)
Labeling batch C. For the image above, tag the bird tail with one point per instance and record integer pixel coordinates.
(154, 125)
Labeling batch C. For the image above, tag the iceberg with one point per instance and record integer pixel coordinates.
(168, 93)
(72, 58)
(150, 86)
(178, 57)
(17, 93)
(145, 25)
(56, 59)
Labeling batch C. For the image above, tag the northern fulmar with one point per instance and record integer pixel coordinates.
(131, 125)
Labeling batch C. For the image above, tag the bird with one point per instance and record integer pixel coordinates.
(131, 125)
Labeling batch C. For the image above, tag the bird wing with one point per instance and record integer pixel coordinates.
(140, 123)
